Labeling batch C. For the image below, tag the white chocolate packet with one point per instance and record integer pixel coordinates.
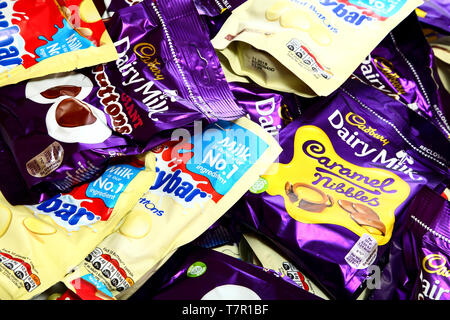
(197, 180)
(306, 47)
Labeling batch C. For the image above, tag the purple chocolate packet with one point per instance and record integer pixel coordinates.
(418, 266)
(269, 108)
(348, 168)
(403, 67)
(195, 273)
(62, 129)
(435, 13)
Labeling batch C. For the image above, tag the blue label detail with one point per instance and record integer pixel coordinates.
(112, 183)
(69, 212)
(66, 39)
(98, 284)
(384, 8)
(224, 153)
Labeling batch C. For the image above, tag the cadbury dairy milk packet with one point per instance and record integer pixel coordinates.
(348, 168)
(195, 273)
(62, 129)
(306, 47)
(198, 178)
(50, 36)
(403, 66)
(40, 244)
(418, 267)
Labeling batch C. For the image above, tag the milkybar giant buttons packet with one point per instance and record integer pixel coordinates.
(306, 47)
(38, 38)
(198, 179)
(40, 244)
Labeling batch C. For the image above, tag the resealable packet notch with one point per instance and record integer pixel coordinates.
(349, 166)
(197, 181)
(62, 129)
(40, 244)
(306, 47)
(45, 37)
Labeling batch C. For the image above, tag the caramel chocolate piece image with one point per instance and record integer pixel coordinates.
(59, 91)
(364, 216)
(72, 112)
(307, 204)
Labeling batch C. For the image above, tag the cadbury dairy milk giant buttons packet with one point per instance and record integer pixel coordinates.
(224, 150)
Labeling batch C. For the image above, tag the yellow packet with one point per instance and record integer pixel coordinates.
(38, 38)
(198, 179)
(306, 47)
(40, 244)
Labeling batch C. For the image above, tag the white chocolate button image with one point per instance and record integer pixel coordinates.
(320, 35)
(136, 225)
(277, 9)
(37, 226)
(231, 292)
(88, 12)
(36, 87)
(296, 19)
(5, 219)
(96, 132)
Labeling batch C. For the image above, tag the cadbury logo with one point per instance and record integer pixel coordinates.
(9, 54)
(436, 263)
(146, 51)
(68, 212)
(173, 184)
(356, 120)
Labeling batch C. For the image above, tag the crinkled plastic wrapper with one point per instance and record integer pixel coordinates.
(305, 47)
(40, 244)
(50, 36)
(62, 129)
(348, 168)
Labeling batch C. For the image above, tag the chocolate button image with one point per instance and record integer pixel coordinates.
(59, 91)
(71, 113)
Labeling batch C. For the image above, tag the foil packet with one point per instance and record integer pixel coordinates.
(45, 37)
(348, 168)
(62, 129)
(195, 273)
(404, 67)
(418, 263)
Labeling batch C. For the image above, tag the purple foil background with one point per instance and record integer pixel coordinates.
(319, 249)
(153, 107)
(402, 48)
(437, 14)
(220, 270)
(404, 277)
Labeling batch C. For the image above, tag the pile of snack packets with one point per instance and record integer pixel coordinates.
(224, 149)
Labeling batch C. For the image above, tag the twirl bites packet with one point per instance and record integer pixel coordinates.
(198, 179)
(40, 244)
(50, 36)
(306, 47)
(348, 168)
